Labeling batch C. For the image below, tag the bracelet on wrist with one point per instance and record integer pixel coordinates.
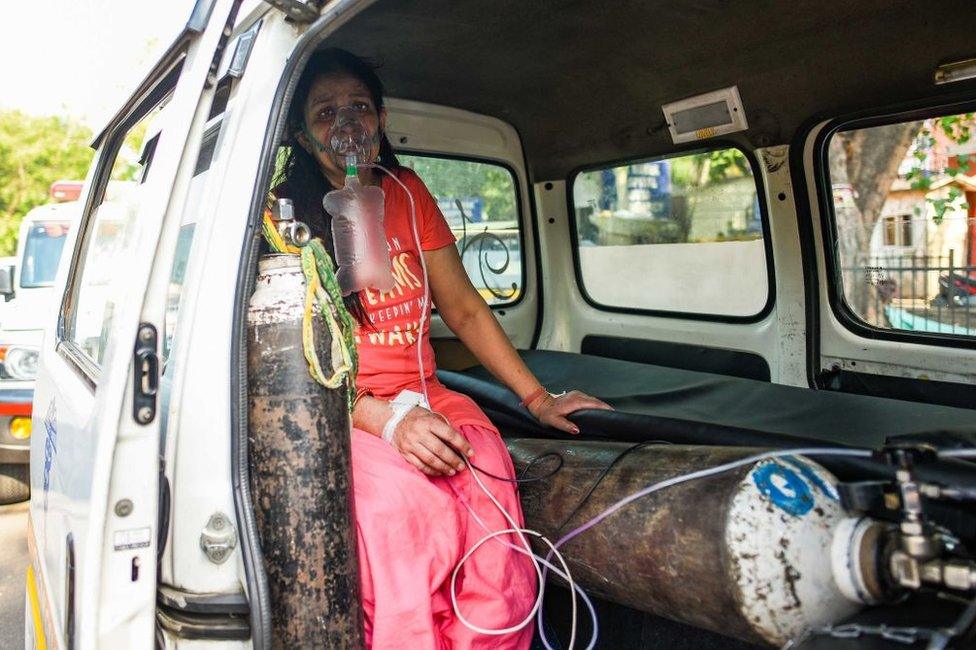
(533, 396)
(360, 393)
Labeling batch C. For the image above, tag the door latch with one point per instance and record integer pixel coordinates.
(145, 375)
(219, 538)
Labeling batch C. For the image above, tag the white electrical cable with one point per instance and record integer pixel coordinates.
(423, 266)
(515, 528)
(958, 453)
(549, 567)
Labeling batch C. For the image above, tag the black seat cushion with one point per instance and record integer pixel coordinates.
(684, 406)
(697, 408)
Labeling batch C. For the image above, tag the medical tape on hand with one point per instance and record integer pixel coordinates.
(402, 404)
(391, 424)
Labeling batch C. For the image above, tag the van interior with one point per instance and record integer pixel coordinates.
(758, 330)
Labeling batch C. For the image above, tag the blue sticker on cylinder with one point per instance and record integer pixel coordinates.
(784, 487)
(808, 473)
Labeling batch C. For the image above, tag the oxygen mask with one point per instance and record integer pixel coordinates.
(350, 139)
(358, 235)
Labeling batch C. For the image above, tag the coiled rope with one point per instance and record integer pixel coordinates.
(322, 292)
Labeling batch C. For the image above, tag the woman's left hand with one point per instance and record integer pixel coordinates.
(552, 410)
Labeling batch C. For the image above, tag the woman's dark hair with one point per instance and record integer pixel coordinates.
(299, 177)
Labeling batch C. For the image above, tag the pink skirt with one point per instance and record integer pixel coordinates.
(413, 530)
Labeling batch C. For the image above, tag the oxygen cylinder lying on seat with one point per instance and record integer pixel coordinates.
(746, 553)
(301, 478)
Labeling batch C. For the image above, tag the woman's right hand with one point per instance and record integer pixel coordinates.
(426, 441)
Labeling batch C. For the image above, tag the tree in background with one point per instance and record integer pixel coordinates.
(462, 179)
(863, 165)
(35, 152)
(958, 129)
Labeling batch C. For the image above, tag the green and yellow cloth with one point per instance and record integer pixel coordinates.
(322, 292)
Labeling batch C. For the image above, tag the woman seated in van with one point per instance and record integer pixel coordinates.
(412, 493)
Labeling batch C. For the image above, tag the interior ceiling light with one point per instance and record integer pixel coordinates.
(706, 116)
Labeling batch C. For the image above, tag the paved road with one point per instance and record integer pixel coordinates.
(13, 565)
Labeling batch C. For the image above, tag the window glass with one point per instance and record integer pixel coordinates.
(42, 252)
(195, 197)
(175, 290)
(680, 234)
(480, 203)
(110, 234)
(904, 213)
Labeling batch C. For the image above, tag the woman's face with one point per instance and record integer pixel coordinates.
(328, 94)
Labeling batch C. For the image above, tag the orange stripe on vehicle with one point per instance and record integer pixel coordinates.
(15, 408)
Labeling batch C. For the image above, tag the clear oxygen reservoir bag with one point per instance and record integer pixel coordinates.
(358, 234)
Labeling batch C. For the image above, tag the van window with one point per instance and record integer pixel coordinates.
(198, 188)
(678, 234)
(109, 236)
(480, 203)
(42, 252)
(904, 222)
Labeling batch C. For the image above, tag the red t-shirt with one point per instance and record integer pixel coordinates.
(387, 346)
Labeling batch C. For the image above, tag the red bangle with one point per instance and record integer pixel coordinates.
(533, 396)
(361, 393)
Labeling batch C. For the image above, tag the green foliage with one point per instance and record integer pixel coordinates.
(951, 202)
(465, 179)
(957, 128)
(35, 152)
(961, 167)
(727, 163)
(696, 170)
(126, 166)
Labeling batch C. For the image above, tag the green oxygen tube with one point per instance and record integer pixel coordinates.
(348, 149)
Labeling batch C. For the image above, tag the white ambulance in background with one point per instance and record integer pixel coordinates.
(27, 287)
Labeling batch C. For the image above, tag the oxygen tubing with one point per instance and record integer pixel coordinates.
(423, 266)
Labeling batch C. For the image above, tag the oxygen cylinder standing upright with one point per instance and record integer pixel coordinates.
(301, 477)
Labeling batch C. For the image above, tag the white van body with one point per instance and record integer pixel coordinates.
(40, 241)
(93, 583)
(101, 466)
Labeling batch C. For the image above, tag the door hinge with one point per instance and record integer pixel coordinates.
(145, 374)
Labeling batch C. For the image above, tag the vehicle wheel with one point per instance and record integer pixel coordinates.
(14, 483)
